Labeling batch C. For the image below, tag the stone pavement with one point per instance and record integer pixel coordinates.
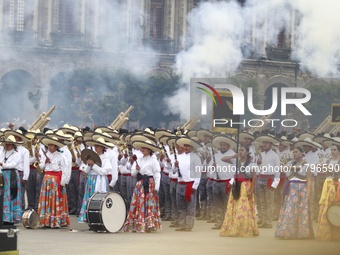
(78, 239)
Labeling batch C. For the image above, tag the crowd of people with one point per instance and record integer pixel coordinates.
(241, 182)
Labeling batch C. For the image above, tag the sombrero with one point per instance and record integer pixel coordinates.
(307, 141)
(98, 133)
(142, 137)
(162, 133)
(104, 128)
(244, 135)
(10, 140)
(31, 133)
(181, 141)
(17, 133)
(60, 135)
(145, 144)
(52, 140)
(78, 136)
(266, 138)
(322, 138)
(284, 141)
(216, 140)
(171, 141)
(165, 138)
(90, 154)
(69, 129)
(203, 132)
(100, 141)
(113, 133)
(303, 136)
(333, 141)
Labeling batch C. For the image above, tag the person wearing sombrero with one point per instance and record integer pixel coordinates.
(53, 205)
(24, 165)
(11, 190)
(247, 138)
(189, 171)
(330, 193)
(267, 180)
(144, 213)
(97, 180)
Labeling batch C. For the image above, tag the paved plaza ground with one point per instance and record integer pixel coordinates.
(77, 239)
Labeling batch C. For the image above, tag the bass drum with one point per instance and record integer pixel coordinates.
(333, 214)
(106, 212)
(30, 219)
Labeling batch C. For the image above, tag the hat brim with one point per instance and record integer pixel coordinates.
(161, 133)
(187, 141)
(223, 139)
(68, 130)
(244, 135)
(107, 139)
(302, 143)
(266, 138)
(95, 142)
(14, 133)
(306, 135)
(201, 133)
(90, 154)
(331, 142)
(47, 141)
(140, 144)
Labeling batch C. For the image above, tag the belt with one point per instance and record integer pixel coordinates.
(173, 179)
(32, 168)
(145, 179)
(75, 168)
(167, 174)
(241, 179)
(265, 176)
(188, 190)
(126, 174)
(228, 180)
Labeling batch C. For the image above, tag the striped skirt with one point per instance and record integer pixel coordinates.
(12, 209)
(89, 191)
(295, 221)
(144, 213)
(52, 208)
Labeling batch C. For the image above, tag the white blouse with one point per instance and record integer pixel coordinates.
(13, 159)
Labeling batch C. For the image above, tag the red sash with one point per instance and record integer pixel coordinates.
(227, 187)
(173, 179)
(188, 190)
(270, 179)
(126, 174)
(167, 174)
(58, 175)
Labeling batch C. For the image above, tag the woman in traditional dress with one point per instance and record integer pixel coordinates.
(295, 221)
(240, 218)
(52, 207)
(11, 190)
(144, 213)
(330, 194)
(97, 180)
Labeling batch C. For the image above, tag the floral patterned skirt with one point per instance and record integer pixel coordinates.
(240, 217)
(295, 221)
(326, 231)
(12, 211)
(144, 210)
(52, 209)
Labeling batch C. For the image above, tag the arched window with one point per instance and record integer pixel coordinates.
(66, 16)
(17, 15)
(156, 19)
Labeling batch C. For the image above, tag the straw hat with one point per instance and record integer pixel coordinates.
(305, 135)
(98, 133)
(284, 141)
(17, 133)
(244, 135)
(69, 129)
(104, 129)
(322, 138)
(307, 141)
(142, 137)
(10, 140)
(267, 138)
(171, 141)
(203, 132)
(145, 144)
(60, 135)
(90, 154)
(52, 140)
(101, 142)
(162, 133)
(223, 139)
(181, 141)
(78, 136)
(333, 141)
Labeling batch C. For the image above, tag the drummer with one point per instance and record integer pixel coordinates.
(53, 207)
(98, 167)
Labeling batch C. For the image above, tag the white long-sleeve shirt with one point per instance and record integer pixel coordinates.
(13, 159)
(113, 156)
(312, 158)
(68, 157)
(58, 163)
(189, 165)
(148, 166)
(24, 164)
(271, 166)
(223, 169)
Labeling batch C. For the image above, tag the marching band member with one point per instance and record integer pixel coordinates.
(240, 217)
(188, 181)
(224, 171)
(11, 191)
(295, 221)
(267, 180)
(144, 212)
(97, 180)
(53, 205)
(247, 138)
(330, 194)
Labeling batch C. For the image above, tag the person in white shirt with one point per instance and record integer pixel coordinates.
(295, 221)
(267, 180)
(97, 180)
(10, 208)
(188, 166)
(144, 213)
(53, 205)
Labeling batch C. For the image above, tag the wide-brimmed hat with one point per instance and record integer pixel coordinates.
(141, 137)
(284, 141)
(17, 133)
(105, 129)
(10, 140)
(243, 135)
(114, 133)
(321, 138)
(52, 140)
(203, 132)
(145, 144)
(181, 141)
(307, 141)
(303, 136)
(31, 133)
(100, 141)
(216, 140)
(90, 154)
(60, 135)
(78, 136)
(98, 133)
(267, 138)
(69, 129)
(165, 138)
(171, 141)
(332, 141)
(162, 133)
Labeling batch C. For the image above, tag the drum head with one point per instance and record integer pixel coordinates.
(333, 215)
(30, 219)
(113, 212)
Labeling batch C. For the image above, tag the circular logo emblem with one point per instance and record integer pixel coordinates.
(109, 203)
